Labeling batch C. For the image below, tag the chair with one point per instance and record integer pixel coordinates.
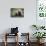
(25, 36)
(7, 35)
(14, 32)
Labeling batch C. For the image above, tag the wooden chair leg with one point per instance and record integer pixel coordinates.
(17, 39)
(5, 39)
(5, 43)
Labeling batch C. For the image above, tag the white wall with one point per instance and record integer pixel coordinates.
(24, 24)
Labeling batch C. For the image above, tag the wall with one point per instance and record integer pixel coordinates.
(24, 24)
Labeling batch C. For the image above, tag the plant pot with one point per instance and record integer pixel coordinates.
(40, 41)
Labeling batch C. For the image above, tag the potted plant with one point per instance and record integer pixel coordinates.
(35, 26)
(39, 35)
(38, 27)
(42, 27)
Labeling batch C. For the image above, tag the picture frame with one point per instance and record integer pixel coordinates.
(41, 12)
(41, 8)
(17, 12)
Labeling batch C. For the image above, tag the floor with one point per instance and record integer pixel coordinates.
(13, 44)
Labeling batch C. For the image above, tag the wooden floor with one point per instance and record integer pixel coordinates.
(13, 44)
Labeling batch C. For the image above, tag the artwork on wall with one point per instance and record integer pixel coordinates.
(41, 8)
(41, 12)
(17, 12)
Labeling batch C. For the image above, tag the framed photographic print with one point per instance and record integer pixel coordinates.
(17, 12)
(41, 12)
(41, 8)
